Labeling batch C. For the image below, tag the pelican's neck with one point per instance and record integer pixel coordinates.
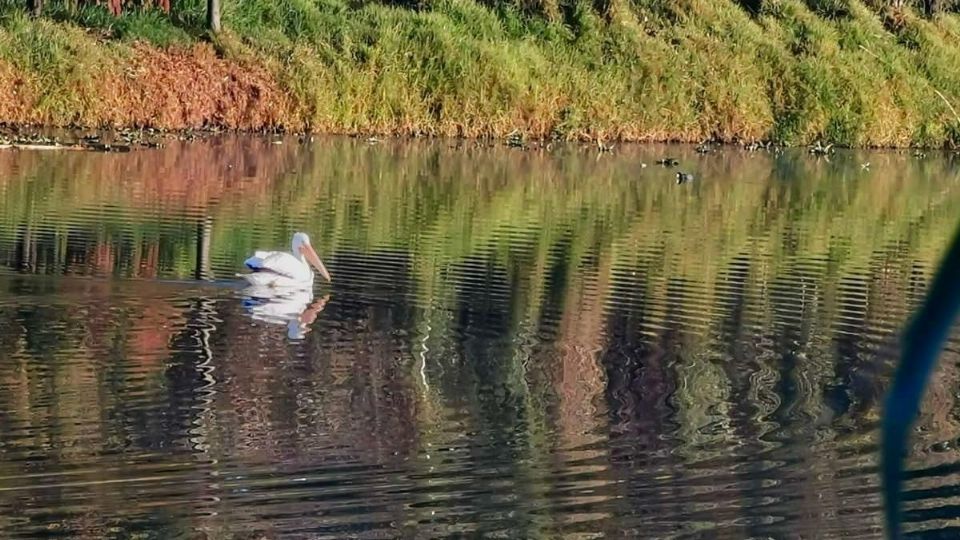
(303, 262)
(301, 258)
(297, 254)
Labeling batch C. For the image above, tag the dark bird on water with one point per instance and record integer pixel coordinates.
(668, 162)
(684, 177)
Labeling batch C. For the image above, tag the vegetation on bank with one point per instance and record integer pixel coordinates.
(842, 71)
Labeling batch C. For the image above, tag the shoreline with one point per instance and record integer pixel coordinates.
(10, 136)
(123, 140)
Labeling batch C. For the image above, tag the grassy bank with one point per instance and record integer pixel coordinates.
(787, 70)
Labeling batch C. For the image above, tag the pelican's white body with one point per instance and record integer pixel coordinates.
(281, 269)
(278, 269)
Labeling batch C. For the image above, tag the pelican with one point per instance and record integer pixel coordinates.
(281, 269)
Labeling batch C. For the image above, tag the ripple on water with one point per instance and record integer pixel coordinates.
(515, 345)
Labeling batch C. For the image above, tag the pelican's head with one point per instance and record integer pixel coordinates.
(303, 250)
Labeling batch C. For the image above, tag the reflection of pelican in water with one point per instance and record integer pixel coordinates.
(295, 308)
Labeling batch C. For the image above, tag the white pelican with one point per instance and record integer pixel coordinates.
(281, 269)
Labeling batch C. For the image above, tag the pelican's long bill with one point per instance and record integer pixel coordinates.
(314, 259)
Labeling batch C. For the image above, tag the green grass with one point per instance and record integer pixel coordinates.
(793, 71)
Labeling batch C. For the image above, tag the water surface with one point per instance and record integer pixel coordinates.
(516, 344)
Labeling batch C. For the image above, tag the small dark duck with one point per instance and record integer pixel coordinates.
(668, 162)
(683, 177)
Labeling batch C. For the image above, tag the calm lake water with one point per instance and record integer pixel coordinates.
(515, 345)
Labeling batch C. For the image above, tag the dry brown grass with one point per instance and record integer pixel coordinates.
(181, 88)
(16, 95)
(174, 88)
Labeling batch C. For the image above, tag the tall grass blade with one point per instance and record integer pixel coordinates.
(924, 339)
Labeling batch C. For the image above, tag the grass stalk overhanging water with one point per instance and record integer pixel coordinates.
(923, 341)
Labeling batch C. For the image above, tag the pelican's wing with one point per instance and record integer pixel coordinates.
(276, 262)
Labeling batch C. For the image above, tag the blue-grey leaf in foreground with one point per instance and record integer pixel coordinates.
(922, 343)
